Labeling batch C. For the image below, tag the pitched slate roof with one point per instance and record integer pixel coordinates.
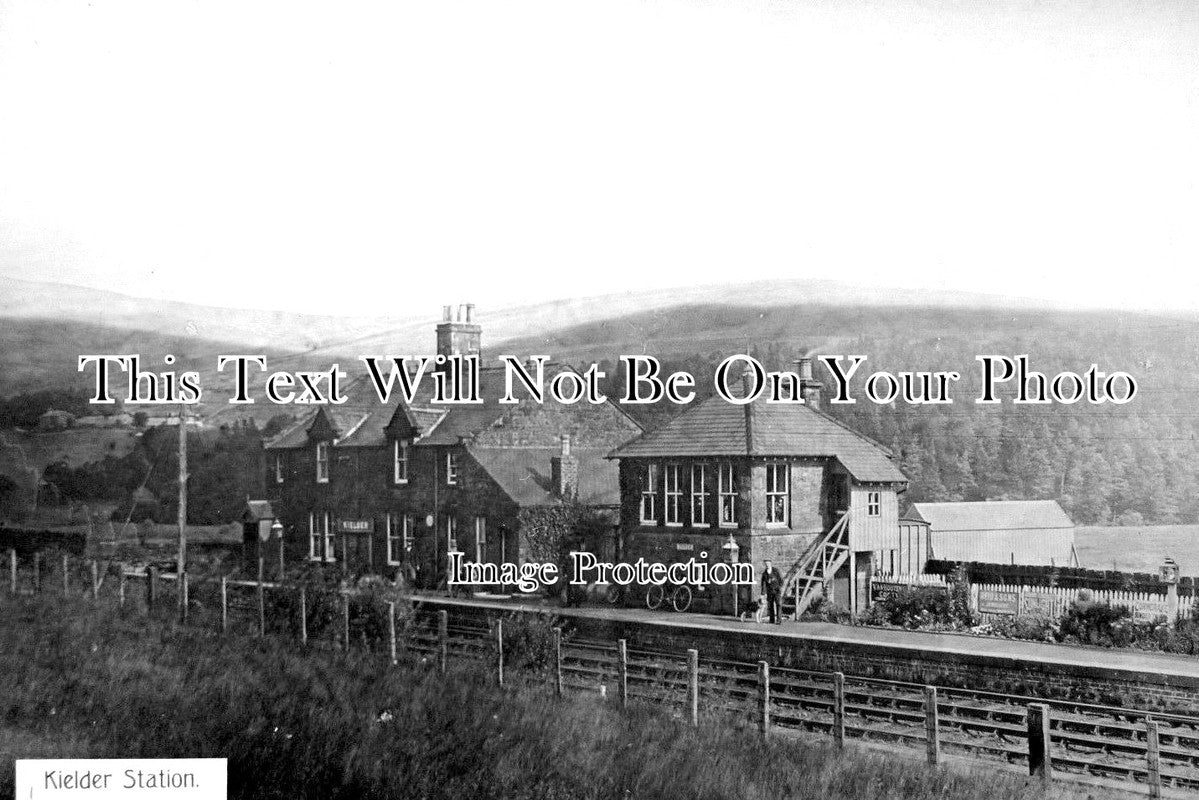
(524, 474)
(991, 515)
(717, 427)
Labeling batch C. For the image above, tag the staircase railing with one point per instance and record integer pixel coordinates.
(817, 565)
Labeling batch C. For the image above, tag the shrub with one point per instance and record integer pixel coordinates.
(529, 641)
(1088, 622)
(1036, 629)
(912, 607)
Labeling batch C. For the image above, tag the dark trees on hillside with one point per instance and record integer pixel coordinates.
(224, 467)
(1106, 464)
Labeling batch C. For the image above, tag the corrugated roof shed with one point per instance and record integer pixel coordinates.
(717, 427)
(991, 515)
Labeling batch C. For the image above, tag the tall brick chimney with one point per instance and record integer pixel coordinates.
(564, 471)
(457, 333)
(809, 387)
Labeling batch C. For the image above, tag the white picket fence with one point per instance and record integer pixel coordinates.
(992, 600)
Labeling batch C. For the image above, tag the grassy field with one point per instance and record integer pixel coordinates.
(1138, 548)
(87, 683)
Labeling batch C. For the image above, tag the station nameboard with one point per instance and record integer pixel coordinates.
(356, 525)
(992, 602)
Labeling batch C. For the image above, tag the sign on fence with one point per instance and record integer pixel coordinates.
(993, 602)
(1033, 604)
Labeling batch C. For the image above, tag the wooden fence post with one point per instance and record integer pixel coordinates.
(839, 708)
(12, 570)
(37, 571)
(443, 640)
(66, 575)
(224, 604)
(622, 668)
(345, 622)
(1153, 758)
(121, 588)
(764, 696)
(932, 725)
(151, 585)
(1039, 759)
(303, 616)
(183, 597)
(499, 652)
(693, 686)
(558, 662)
(391, 632)
(95, 580)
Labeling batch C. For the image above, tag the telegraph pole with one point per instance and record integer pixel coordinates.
(181, 558)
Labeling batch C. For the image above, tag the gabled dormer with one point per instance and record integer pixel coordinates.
(321, 436)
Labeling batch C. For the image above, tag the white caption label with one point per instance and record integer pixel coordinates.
(127, 778)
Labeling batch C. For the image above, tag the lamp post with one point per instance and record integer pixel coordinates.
(732, 554)
(277, 531)
(1168, 572)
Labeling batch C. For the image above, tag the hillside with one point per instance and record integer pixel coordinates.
(1126, 465)
(409, 330)
(43, 352)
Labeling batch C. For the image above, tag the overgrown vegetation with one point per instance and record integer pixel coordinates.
(1084, 622)
(917, 607)
(87, 682)
(1102, 625)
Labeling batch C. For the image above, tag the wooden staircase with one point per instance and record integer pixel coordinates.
(815, 570)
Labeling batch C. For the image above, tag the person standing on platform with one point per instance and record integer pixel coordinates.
(772, 587)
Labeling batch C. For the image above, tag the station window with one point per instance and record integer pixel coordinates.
(322, 462)
(400, 462)
(874, 504)
(777, 494)
(674, 494)
(320, 537)
(727, 488)
(649, 493)
(699, 494)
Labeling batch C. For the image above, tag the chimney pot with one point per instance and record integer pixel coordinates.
(565, 445)
(470, 312)
(446, 315)
(805, 368)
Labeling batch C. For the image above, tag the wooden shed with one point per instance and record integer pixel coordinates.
(1035, 532)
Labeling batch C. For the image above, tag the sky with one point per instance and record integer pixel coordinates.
(348, 157)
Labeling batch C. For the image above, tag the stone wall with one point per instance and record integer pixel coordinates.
(1081, 683)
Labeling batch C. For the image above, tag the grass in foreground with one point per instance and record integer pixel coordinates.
(87, 682)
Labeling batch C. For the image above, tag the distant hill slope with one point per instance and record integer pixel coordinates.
(833, 328)
(276, 330)
(409, 331)
(1133, 464)
(39, 353)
